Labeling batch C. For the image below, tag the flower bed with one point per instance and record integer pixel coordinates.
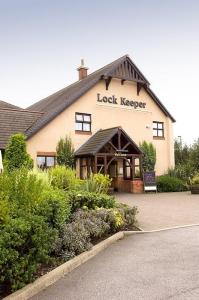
(43, 225)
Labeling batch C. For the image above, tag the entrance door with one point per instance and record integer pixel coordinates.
(113, 173)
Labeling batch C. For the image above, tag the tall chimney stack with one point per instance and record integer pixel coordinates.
(82, 70)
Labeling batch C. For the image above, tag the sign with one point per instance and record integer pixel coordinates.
(121, 101)
(149, 181)
(121, 154)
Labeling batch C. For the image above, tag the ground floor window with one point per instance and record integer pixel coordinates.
(127, 169)
(44, 162)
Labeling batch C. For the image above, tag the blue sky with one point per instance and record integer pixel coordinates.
(42, 42)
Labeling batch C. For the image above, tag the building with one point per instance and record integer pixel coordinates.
(107, 114)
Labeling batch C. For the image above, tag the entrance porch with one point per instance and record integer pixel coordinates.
(112, 151)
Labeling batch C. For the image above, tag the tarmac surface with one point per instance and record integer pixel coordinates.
(162, 210)
(152, 266)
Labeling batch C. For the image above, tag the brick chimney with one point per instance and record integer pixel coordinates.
(82, 70)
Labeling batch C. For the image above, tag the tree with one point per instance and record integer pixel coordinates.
(65, 152)
(194, 154)
(149, 159)
(182, 152)
(16, 155)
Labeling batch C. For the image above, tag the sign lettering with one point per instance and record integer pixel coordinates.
(121, 101)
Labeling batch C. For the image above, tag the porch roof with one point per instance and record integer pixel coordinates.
(100, 139)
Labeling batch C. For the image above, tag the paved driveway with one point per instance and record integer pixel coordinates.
(147, 266)
(157, 211)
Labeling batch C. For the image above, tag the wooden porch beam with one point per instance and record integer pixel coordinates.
(139, 86)
(112, 145)
(107, 81)
(126, 146)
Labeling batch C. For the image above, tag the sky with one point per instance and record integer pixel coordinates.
(43, 41)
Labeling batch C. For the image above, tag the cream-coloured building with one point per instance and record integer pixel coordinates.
(106, 114)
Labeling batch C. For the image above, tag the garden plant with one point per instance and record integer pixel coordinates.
(49, 216)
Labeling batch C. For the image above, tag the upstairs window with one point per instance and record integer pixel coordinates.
(83, 122)
(158, 129)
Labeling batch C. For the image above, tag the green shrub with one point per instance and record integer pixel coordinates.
(16, 155)
(129, 215)
(64, 178)
(54, 207)
(183, 171)
(97, 183)
(4, 211)
(28, 193)
(149, 158)
(65, 152)
(89, 200)
(195, 179)
(25, 243)
(166, 183)
(23, 190)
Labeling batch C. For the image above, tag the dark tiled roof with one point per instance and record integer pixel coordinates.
(15, 121)
(100, 139)
(4, 104)
(58, 102)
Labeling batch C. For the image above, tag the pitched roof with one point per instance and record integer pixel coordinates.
(15, 121)
(4, 104)
(93, 145)
(53, 105)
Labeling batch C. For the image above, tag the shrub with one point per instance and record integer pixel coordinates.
(4, 211)
(166, 183)
(54, 207)
(26, 193)
(21, 188)
(149, 158)
(195, 179)
(64, 178)
(16, 155)
(25, 243)
(88, 225)
(98, 183)
(184, 171)
(89, 200)
(129, 215)
(65, 152)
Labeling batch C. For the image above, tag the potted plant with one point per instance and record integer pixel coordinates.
(194, 187)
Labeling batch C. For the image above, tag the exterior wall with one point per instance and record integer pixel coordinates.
(137, 123)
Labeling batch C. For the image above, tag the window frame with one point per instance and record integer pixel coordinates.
(83, 122)
(126, 165)
(45, 165)
(158, 129)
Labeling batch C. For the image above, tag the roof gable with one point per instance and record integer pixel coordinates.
(122, 68)
(99, 140)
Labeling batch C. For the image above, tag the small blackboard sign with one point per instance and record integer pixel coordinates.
(149, 181)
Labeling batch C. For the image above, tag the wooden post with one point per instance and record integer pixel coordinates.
(133, 167)
(105, 164)
(95, 164)
(119, 139)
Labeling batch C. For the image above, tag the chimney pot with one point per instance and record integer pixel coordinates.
(82, 70)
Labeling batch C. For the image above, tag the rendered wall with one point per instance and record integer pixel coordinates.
(136, 122)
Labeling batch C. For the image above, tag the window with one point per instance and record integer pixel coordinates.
(82, 122)
(44, 162)
(127, 169)
(158, 129)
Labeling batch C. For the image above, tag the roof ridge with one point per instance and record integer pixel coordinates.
(110, 128)
(78, 81)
